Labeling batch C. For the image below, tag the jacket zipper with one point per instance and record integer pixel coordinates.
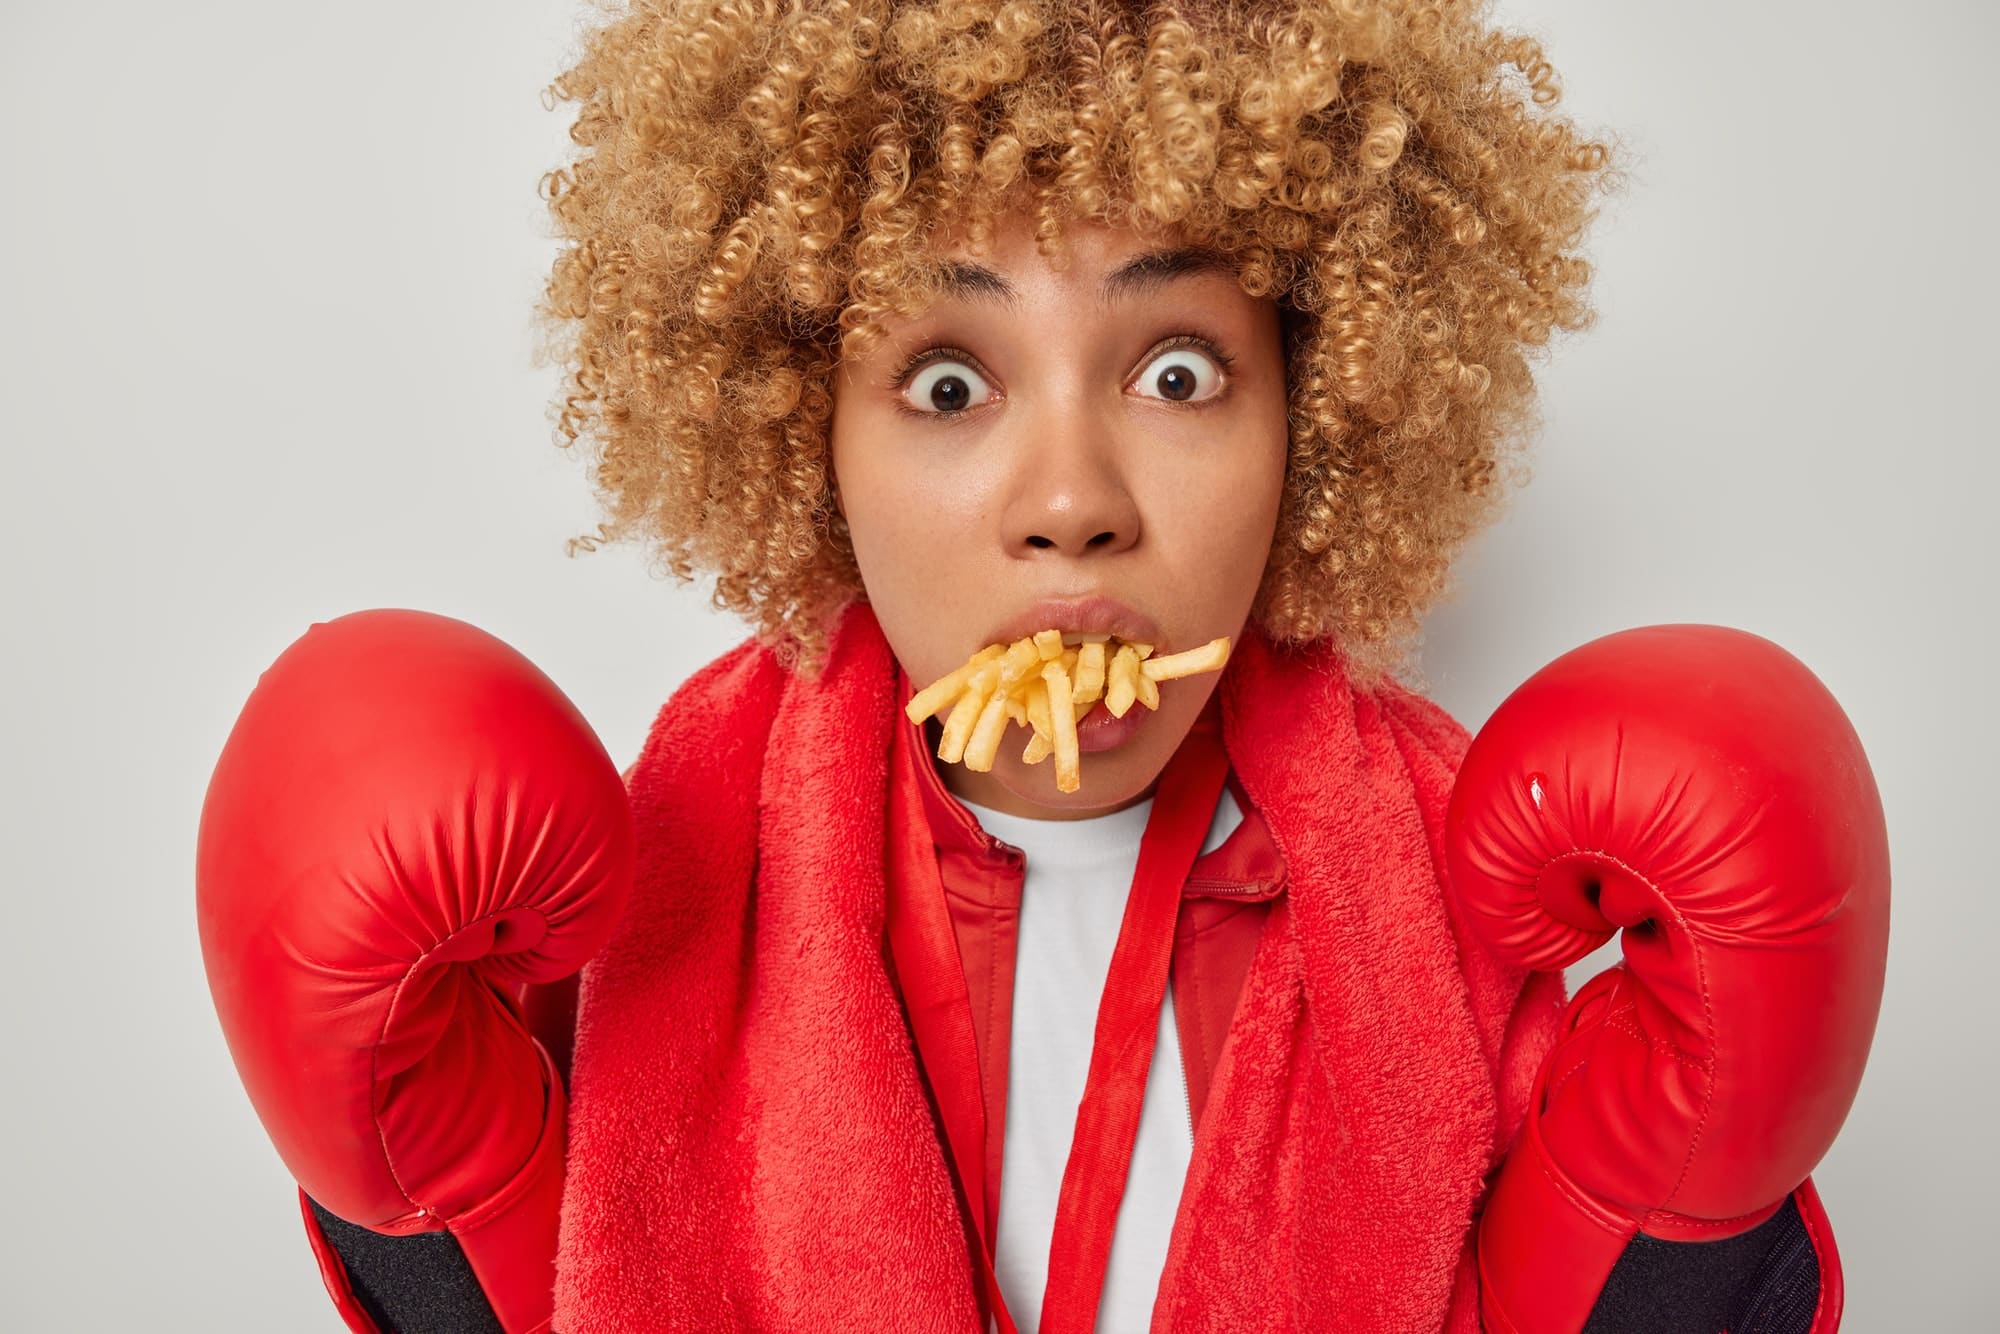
(1229, 889)
(1187, 1093)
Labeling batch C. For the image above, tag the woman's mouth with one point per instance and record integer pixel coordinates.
(1086, 698)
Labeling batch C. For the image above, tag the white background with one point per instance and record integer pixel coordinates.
(265, 275)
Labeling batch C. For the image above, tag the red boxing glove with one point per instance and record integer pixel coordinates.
(1700, 788)
(407, 823)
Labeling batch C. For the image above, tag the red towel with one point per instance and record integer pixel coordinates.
(750, 1147)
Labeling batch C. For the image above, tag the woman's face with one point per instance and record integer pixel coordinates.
(1115, 430)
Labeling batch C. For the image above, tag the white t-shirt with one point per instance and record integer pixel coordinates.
(1078, 874)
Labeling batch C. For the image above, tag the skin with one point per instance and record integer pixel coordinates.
(1055, 446)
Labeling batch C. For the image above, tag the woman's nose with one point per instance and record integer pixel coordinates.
(1070, 492)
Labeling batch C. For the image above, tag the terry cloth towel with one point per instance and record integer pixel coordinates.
(750, 1143)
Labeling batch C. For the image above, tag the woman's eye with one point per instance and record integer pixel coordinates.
(946, 386)
(1180, 375)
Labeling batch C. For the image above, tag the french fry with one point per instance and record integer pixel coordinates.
(1042, 744)
(1061, 712)
(1121, 687)
(1089, 681)
(1038, 709)
(1021, 661)
(1049, 644)
(1208, 658)
(985, 742)
(958, 726)
(1149, 691)
(947, 688)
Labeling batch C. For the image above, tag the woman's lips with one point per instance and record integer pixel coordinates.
(1102, 731)
(1097, 614)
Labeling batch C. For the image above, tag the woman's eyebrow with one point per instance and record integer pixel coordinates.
(1154, 270)
(966, 280)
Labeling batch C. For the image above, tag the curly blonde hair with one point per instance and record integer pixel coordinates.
(761, 185)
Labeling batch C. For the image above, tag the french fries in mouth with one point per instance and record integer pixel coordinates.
(1048, 687)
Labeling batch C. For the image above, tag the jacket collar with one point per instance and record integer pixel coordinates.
(1246, 865)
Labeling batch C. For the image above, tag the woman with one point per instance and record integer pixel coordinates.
(926, 328)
